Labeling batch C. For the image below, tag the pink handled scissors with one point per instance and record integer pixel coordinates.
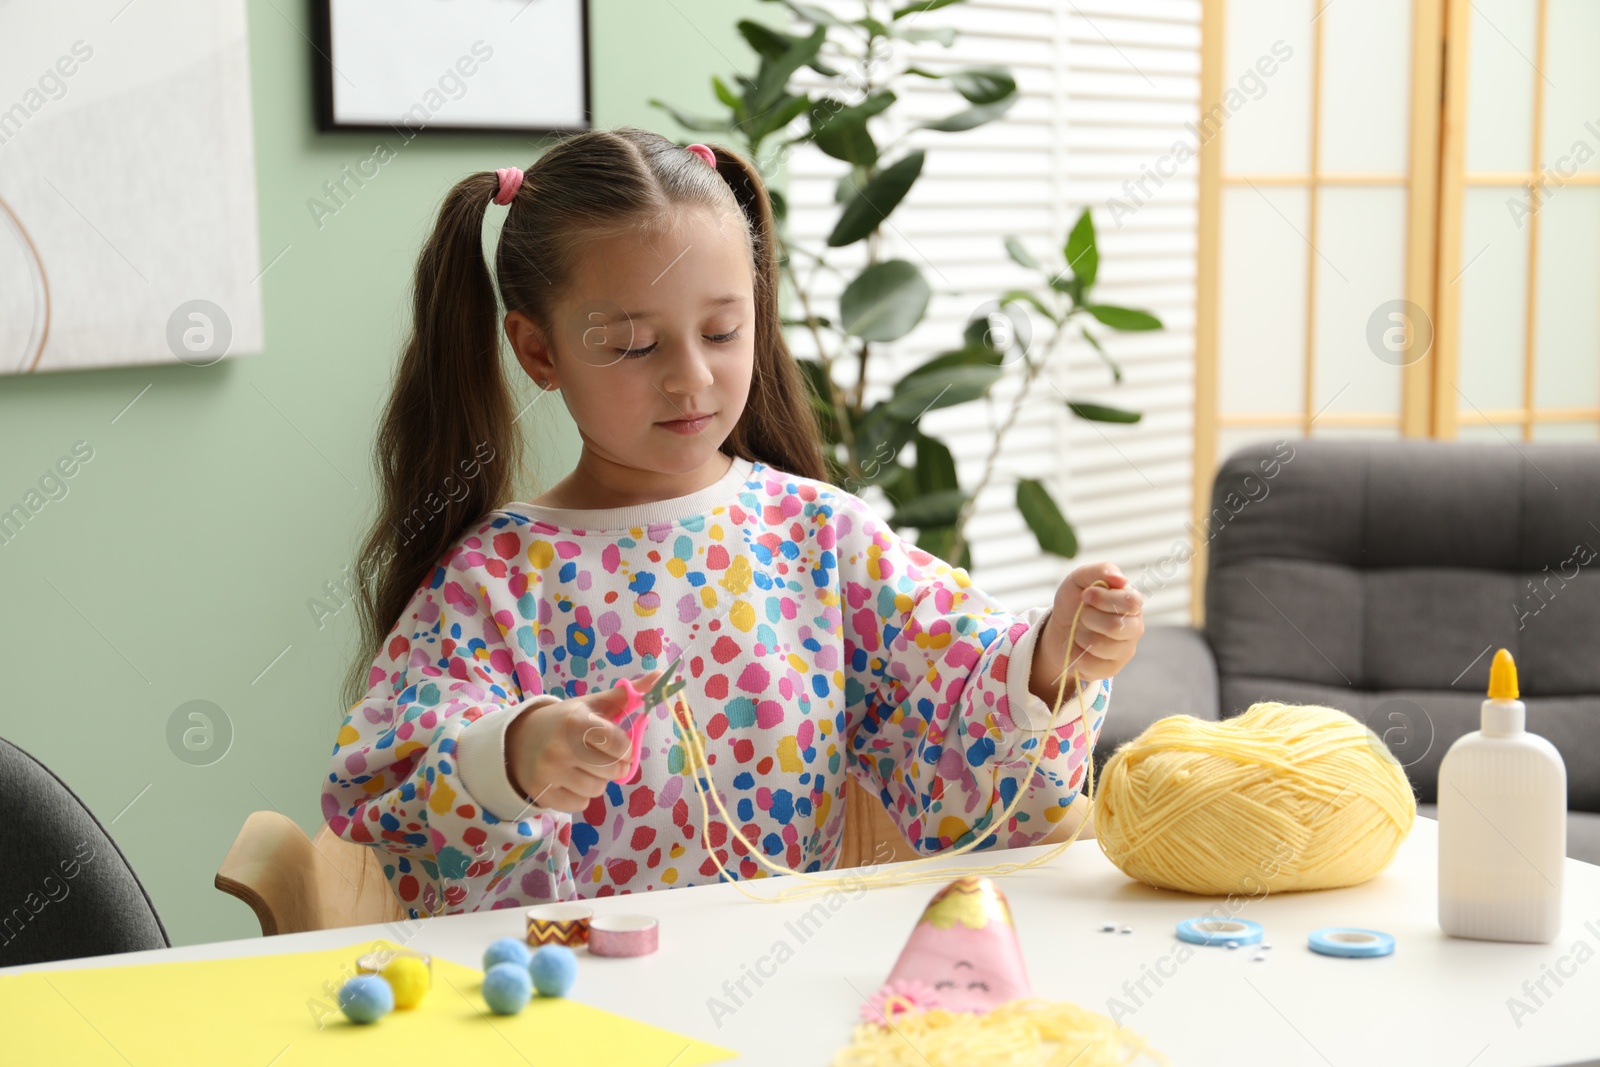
(635, 714)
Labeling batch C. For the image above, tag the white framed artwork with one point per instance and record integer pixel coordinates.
(128, 223)
(471, 66)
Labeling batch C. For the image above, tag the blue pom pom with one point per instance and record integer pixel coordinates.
(366, 998)
(553, 968)
(506, 950)
(507, 988)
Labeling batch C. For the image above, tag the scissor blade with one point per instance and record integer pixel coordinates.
(659, 692)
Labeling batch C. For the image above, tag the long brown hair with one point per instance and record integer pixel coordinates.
(448, 449)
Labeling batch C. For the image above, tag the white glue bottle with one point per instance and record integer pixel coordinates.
(1502, 824)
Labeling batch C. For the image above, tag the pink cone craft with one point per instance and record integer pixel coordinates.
(964, 950)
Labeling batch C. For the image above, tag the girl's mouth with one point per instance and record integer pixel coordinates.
(687, 426)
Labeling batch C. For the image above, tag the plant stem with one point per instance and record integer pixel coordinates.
(959, 541)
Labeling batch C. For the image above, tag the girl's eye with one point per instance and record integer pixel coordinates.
(720, 338)
(979, 984)
(944, 983)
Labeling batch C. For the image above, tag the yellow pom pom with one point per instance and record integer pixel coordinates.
(1283, 797)
(408, 977)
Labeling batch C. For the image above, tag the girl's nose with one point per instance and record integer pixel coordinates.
(689, 372)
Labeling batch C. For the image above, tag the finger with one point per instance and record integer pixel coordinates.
(602, 738)
(1107, 623)
(557, 799)
(588, 782)
(1084, 577)
(1126, 601)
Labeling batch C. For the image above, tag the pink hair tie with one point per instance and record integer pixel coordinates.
(510, 182)
(704, 153)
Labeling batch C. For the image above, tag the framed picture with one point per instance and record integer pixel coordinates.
(470, 66)
(102, 264)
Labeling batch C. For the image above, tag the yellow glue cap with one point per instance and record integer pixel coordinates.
(1502, 676)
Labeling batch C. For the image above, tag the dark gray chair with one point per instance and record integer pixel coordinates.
(1379, 578)
(66, 889)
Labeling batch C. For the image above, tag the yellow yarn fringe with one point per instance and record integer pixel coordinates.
(910, 872)
(1284, 797)
(1021, 1033)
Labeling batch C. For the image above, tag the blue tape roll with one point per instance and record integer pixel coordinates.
(1209, 931)
(1351, 942)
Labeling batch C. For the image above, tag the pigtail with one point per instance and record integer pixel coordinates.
(779, 425)
(447, 450)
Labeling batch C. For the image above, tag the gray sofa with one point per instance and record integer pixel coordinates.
(1378, 578)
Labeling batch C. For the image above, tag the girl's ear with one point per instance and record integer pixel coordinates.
(531, 347)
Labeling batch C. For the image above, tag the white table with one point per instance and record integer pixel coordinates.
(1436, 1001)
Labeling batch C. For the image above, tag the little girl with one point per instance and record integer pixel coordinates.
(480, 753)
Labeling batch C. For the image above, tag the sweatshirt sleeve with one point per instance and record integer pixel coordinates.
(418, 768)
(940, 720)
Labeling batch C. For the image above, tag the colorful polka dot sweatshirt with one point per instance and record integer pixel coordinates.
(816, 644)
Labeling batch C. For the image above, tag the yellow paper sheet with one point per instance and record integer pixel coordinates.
(282, 1011)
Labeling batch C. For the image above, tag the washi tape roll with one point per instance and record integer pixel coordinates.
(623, 935)
(559, 924)
(1350, 941)
(375, 962)
(1226, 932)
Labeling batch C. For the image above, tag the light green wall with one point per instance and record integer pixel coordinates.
(180, 562)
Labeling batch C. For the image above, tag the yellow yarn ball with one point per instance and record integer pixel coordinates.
(408, 977)
(1281, 798)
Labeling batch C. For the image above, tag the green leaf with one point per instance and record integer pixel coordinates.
(873, 27)
(975, 356)
(1124, 318)
(930, 509)
(727, 96)
(866, 211)
(918, 394)
(819, 15)
(938, 540)
(921, 6)
(783, 113)
(880, 434)
(771, 83)
(849, 182)
(945, 35)
(763, 39)
(1023, 296)
(1019, 253)
(983, 85)
(972, 117)
(1073, 287)
(1101, 413)
(1050, 527)
(884, 302)
(843, 134)
(936, 467)
(693, 122)
(1094, 342)
(1083, 258)
(780, 204)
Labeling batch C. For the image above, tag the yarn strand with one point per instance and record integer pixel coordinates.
(911, 872)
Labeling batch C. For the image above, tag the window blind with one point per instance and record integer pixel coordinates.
(1106, 90)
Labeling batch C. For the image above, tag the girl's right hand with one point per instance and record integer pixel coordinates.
(563, 755)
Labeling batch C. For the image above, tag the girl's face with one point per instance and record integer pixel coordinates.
(655, 343)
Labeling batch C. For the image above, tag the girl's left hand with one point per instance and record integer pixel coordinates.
(1108, 630)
